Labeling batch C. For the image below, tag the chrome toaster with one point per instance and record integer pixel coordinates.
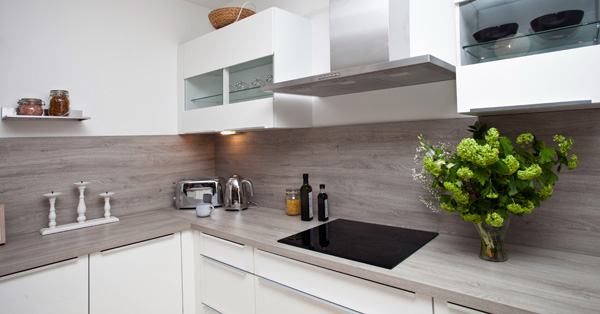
(190, 192)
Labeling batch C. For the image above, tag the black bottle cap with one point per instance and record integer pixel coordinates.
(322, 186)
(305, 176)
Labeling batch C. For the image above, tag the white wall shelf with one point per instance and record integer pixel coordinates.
(11, 114)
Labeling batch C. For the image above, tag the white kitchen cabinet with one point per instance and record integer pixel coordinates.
(527, 72)
(227, 279)
(59, 288)
(443, 307)
(220, 75)
(347, 291)
(274, 298)
(143, 277)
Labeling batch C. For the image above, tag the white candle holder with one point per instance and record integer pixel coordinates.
(52, 216)
(81, 209)
(107, 196)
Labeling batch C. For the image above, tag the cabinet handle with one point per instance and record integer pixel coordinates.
(238, 271)
(306, 295)
(136, 244)
(226, 242)
(464, 309)
(39, 268)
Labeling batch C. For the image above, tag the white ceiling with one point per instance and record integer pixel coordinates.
(211, 4)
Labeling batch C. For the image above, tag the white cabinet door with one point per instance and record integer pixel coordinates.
(274, 298)
(60, 288)
(202, 55)
(144, 277)
(248, 39)
(227, 289)
(550, 78)
(253, 114)
(443, 307)
(348, 291)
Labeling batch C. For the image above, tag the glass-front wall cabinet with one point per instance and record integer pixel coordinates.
(238, 83)
(492, 30)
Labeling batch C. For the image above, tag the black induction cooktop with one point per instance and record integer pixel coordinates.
(373, 244)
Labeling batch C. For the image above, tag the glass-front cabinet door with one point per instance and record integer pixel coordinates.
(246, 79)
(235, 84)
(492, 30)
(205, 90)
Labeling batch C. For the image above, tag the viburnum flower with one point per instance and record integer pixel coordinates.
(530, 172)
(487, 178)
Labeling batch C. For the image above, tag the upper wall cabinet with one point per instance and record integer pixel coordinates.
(220, 75)
(527, 55)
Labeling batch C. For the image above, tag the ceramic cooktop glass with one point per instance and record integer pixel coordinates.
(373, 244)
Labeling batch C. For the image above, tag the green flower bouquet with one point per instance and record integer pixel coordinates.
(488, 177)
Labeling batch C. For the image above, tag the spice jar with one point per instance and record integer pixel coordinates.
(59, 103)
(30, 107)
(292, 202)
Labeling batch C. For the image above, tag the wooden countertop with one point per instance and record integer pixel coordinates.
(533, 280)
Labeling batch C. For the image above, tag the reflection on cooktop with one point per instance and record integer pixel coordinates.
(373, 244)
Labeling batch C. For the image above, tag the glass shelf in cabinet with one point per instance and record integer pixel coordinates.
(212, 99)
(248, 94)
(569, 37)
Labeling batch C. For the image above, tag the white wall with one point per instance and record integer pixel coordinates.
(117, 59)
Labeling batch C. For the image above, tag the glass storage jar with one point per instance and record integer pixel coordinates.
(59, 103)
(292, 202)
(30, 107)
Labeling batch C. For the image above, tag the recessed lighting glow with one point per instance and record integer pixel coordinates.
(227, 132)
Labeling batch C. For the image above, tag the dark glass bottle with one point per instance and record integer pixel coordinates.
(306, 207)
(322, 202)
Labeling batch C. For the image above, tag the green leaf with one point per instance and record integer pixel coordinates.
(506, 146)
(546, 155)
(500, 167)
(547, 178)
(445, 199)
(481, 175)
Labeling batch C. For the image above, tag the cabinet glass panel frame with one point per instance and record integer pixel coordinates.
(480, 14)
(234, 84)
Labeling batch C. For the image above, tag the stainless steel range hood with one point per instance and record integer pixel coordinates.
(370, 50)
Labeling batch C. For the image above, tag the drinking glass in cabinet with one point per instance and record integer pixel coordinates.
(256, 82)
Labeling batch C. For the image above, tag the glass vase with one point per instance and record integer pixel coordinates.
(492, 241)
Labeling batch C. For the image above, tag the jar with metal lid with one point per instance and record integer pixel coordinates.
(292, 202)
(30, 107)
(59, 103)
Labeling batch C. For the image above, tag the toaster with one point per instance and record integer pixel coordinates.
(190, 192)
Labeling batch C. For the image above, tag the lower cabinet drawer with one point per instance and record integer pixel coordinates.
(274, 298)
(348, 291)
(227, 289)
(235, 254)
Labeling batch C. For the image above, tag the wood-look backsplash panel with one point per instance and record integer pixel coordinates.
(367, 172)
(142, 170)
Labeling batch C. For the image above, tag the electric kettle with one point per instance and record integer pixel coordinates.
(236, 196)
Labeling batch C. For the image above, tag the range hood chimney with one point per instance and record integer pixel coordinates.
(370, 50)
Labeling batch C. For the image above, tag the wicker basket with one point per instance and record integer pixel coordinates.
(225, 16)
